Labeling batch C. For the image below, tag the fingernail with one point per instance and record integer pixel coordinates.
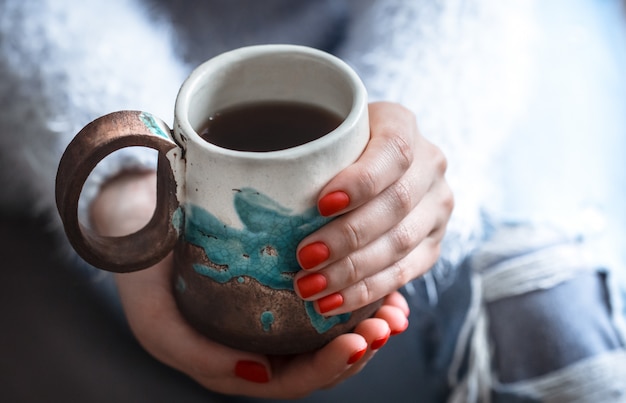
(313, 254)
(356, 356)
(329, 302)
(311, 284)
(378, 343)
(252, 371)
(333, 203)
(401, 329)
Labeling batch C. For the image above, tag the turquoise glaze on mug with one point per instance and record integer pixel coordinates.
(153, 125)
(264, 249)
(267, 318)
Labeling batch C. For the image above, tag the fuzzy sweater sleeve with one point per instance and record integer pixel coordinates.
(62, 64)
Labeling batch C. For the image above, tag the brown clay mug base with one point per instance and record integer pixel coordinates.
(246, 315)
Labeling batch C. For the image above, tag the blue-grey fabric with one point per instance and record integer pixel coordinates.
(550, 309)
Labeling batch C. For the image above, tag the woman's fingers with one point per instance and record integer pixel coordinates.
(386, 263)
(297, 376)
(358, 228)
(387, 156)
(158, 325)
(391, 319)
(343, 357)
(403, 204)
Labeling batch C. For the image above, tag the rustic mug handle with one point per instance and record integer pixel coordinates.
(95, 141)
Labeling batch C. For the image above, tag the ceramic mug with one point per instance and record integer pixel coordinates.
(233, 218)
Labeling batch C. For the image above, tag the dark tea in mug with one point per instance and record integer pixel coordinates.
(269, 125)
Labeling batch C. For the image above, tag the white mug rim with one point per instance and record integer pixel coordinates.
(203, 71)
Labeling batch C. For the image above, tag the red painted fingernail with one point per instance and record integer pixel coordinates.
(333, 203)
(356, 356)
(329, 302)
(311, 284)
(252, 371)
(313, 254)
(401, 329)
(378, 343)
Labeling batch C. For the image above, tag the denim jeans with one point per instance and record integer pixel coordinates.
(547, 323)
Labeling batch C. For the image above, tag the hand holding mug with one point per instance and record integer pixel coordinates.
(391, 228)
(154, 318)
(393, 219)
(151, 310)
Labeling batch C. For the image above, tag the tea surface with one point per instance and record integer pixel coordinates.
(268, 126)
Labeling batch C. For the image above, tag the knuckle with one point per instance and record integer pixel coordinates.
(437, 234)
(401, 150)
(401, 273)
(351, 269)
(403, 197)
(352, 234)
(366, 179)
(411, 267)
(365, 293)
(441, 162)
(447, 200)
(403, 239)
